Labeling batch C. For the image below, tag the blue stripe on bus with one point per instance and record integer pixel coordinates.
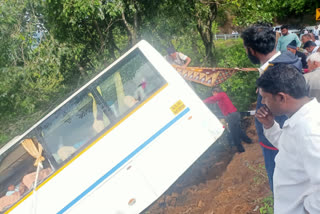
(125, 160)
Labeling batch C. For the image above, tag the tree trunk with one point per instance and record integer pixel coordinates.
(204, 28)
(101, 38)
(132, 29)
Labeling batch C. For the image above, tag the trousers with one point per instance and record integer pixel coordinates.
(237, 133)
(268, 150)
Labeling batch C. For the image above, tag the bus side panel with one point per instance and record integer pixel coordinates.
(126, 192)
(178, 147)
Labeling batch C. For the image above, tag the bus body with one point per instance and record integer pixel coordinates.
(114, 146)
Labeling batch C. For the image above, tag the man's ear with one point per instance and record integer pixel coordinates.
(282, 97)
(253, 52)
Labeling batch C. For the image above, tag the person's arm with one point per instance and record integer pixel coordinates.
(311, 162)
(188, 60)
(212, 99)
(279, 44)
(273, 134)
(185, 58)
(217, 97)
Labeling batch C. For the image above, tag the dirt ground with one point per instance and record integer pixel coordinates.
(222, 181)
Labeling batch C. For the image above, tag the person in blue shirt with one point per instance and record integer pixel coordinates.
(286, 38)
(259, 42)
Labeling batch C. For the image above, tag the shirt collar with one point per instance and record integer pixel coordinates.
(295, 118)
(315, 49)
(316, 69)
(266, 64)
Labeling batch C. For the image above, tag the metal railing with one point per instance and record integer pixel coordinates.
(226, 36)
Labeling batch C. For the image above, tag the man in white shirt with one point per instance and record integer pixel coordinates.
(177, 58)
(313, 76)
(297, 172)
(311, 47)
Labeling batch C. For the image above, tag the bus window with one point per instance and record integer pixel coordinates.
(76, 123)
(102, 104)
(18, 172)
(131, 82)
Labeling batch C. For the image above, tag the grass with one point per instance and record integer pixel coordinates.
(267, 205)
(260, 174)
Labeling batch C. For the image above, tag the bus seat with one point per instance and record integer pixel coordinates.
(65, 151)
(6, 201)
(29, 179)
(129, 101)
(98, 125)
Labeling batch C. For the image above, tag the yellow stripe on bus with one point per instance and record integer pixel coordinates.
(88, 147)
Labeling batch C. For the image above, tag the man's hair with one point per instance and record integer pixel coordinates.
(171, 50)
(260, 37)
(315, 57)
(216, 89)
(309, 44)
(284, 27)
(283, 78)
(307, 35)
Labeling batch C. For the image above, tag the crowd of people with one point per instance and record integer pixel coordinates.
(287, 115)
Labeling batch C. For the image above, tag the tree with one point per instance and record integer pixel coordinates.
(248, 12)
(205, 13)
(29, 74)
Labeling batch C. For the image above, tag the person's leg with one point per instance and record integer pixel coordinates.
(268, 150)
(245, 137)
(229, 138)
(235, 131)
(269, 156)
(242, 135)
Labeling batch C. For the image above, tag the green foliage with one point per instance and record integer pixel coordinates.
(23, 88)
(29, 71)
(231, 54)
(249, 12)
(267, 205)
(241, 86)
(241, 89)
(4, 138)
(260, 174)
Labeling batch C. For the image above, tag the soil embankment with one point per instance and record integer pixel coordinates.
(220, 182)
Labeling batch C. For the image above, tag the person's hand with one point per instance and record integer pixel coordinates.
(265, 117)
(183, 67)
